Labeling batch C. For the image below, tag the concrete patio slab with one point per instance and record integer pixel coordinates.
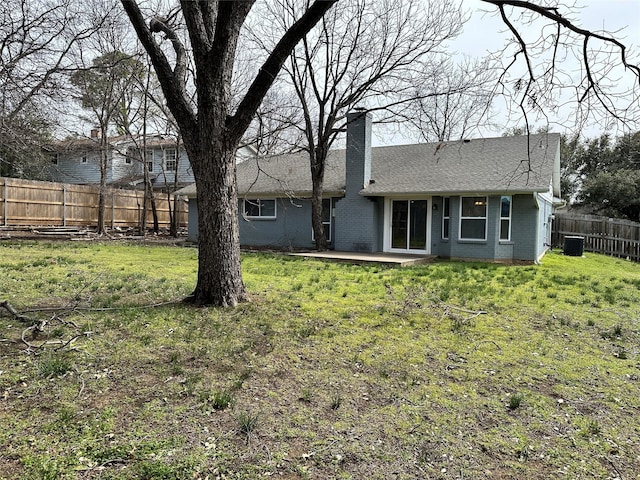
(380, 258)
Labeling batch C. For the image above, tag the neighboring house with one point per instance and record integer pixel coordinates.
(490, 198)
(78, 161)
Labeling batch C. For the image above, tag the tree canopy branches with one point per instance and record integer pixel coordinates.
(595, 84)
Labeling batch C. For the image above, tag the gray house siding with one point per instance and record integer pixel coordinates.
(439, 246)
(527, 240)
(192, 219)
(70, 168)
(525, 227)
(167, 177)
(502, 249)
(121, 169)
(471, 248)
(291, 229)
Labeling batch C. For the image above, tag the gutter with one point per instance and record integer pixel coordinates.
(559, 203)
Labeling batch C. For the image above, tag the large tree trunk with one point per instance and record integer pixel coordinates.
(318, 162)
(219, 270)
(319, 234)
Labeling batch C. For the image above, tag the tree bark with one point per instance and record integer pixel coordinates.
(104, 160)
(318, 161)
(154, 211)
(173, 216)
(219, 269)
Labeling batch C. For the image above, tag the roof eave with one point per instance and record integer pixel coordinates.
(293, 194)
(446, 193)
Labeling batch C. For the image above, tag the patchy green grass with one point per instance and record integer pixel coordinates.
(449, 370)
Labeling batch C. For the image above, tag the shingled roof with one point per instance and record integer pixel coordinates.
(517, 164)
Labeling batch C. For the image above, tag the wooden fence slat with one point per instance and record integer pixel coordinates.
(609, 236)
(35, 203)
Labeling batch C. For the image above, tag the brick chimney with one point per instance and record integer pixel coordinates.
(356, 216)
(358, 154)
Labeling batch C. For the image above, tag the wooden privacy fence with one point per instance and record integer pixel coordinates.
(33, 203)
(609, 236)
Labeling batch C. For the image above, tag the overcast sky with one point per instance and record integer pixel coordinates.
(607, 15)
(486, 31)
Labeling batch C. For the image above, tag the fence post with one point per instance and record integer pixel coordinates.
(113, 209)
(6, 203)
(64, 205)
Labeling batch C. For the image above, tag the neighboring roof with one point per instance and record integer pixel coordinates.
(519, 164)
(93, 143)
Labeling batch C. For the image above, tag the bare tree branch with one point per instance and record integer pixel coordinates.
(173, 86)
(268, 73)
(596, 93)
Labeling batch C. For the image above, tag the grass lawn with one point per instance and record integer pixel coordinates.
(444, 371)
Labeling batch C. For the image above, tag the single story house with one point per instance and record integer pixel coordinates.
(487, 198)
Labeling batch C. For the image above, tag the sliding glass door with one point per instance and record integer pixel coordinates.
(409, 221)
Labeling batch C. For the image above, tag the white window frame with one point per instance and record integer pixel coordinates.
(508, 218)
(148, 157)
(170, 156)
(485, 218)
(446, 216)
(258, 202)
(128, 157)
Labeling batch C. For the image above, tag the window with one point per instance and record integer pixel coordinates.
(256, 208)
(55, 158)
(505, 218)
(473, 218)
(149, 160)
(135, 155)
(84, 158)
(131, 154)
(446, 217)
(170, 160)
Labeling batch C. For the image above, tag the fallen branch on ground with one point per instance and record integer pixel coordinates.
(39, 327)
(14, 313)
